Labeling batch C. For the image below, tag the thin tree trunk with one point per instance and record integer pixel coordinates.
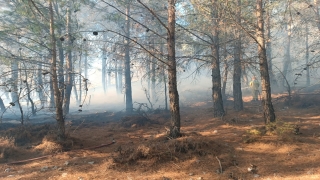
(307, 56)
(269, 48)
(225, 67)
(287, 68)
(216, 77)
(40, 84)
(57, 94)
(28, 90)
(153, 74)
(52, 98)
(2, 107)
(14, 81)
(268, 110)
(103, 69)
(128, 90)
(69, 68)
(172, 72)
(237, 92)
(61, 56)
(164, 81)
(80, 79)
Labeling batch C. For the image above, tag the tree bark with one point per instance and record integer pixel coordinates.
(215, 65)
(40, 84)
(269, 48)
(53, 68)
(287, 67)
(69, 69)
(307, 56)
(2, 107)
(128, 90)
(237, 92)
(172, 72)
(268, 110)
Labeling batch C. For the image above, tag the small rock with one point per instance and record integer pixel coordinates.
(10, 176)
(54, 167)
(256, 175)
(190, 174)
(80, 178)
(215, 132)
(64, 174)
(66, 163)
(200, 178)
(44, 168)
(60, 169)
(21, 171)
(91, 162)
(7, 170)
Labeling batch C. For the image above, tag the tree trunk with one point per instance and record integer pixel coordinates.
(225, 67)
(172, 73)
(61, 56)
(153, 75)
(28, 90)
(269, 48)
(216, 77)
(40, 84)
(103, 68)
(57, 94)
(287, 68)
(307, 56)
(14, 81)
(2, 107)
(164, 81)
(237, 92)
(52, 100)
(128, 90)
(268, 110)
(69, 68)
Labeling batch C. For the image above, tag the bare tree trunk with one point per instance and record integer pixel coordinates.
(172, 72)
(52, 99)
(316, 4)
(14, 81)
(69, 68)
(103, 69)
(307, 56)
(57, 94)
(287, 68)
(216, 77)
(268, 110)
(61, 56)
(269, 48)
(128, 90)
(225, 67)
(164, 81)
(28, 90)
(237, 92)
(80, 79)
(153, 74)
(40, 84)
(2, 107)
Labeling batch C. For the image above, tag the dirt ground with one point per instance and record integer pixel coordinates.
(111, 145)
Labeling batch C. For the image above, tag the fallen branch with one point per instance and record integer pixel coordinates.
(27, 160)
(219, 164)
(102, 145)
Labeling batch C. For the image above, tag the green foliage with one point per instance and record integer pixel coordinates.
(280, 128)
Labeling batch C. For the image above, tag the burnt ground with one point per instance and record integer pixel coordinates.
(210, 148)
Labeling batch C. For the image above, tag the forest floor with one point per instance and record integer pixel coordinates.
(111, 145)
